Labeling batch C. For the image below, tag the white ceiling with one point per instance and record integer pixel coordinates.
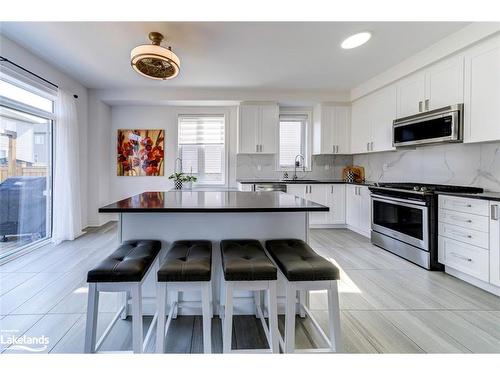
(287, 55)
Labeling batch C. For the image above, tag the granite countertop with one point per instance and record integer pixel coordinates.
(298, 181)
(212, 201)
(487, 195)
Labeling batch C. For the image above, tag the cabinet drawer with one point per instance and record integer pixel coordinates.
(465, 220)
(470, 236)
(467, 205)
(468, 259)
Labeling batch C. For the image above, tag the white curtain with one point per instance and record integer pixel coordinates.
(66, 196)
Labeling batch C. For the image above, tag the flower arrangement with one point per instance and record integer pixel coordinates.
(140, 152)
(179, 178)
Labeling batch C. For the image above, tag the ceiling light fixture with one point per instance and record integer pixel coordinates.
(356, 40)
(154, 61)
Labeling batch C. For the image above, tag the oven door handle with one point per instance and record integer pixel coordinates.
(407, 203)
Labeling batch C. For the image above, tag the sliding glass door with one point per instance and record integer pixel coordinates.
(25, 167)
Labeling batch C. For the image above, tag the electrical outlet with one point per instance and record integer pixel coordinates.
(259, 167)
(385, 166)
(327, 167)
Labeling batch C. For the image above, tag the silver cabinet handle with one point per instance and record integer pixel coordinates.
(461, 257)
(427, 101)
(331, 189)
(367, 146)
(371, 146)
(333, 148)
(494, 212)
(457, 218)
(420, 106)
(337, 149)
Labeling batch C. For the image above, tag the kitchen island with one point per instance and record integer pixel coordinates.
(211, 215)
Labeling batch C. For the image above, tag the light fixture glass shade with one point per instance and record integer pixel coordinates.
(154, 61)
(356, 40)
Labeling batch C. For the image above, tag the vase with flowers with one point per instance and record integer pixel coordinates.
(178, 178)
(189, 181)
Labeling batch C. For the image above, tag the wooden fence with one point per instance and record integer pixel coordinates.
(22, 171)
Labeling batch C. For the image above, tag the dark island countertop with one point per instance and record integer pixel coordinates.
(487, 195)
(212, 201)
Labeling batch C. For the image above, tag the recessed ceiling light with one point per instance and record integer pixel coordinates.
(356, 40)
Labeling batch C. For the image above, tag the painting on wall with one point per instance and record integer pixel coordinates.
(140, 152)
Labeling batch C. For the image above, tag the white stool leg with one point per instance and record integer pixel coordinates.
(302, 302)
(175, 300)
(291, 295)
(211, 294)
(334, 317)
(161, 297)
(273, 317)
(125, 298)
(257, 297)
(137, 329)
(228, 319)
(207, 321)
(92, 312)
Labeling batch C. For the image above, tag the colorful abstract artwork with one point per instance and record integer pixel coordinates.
(140, 152)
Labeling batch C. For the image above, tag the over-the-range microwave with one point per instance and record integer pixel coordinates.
(437, 126)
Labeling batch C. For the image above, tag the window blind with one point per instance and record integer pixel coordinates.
(201, 147)
(292, 135)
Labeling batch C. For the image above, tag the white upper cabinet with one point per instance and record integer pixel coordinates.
(257, 128)
(482, 92)
(444, 83)
(410, 95)
(372, 117)
(438, 86)
(331, 129)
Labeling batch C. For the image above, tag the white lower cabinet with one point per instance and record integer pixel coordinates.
(469, 240)
(330, 195)
(358, 209)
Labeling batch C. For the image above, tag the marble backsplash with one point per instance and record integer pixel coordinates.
(454, 164)
(264, 166)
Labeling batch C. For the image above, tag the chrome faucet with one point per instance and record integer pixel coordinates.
(180, 164)
(297, 164)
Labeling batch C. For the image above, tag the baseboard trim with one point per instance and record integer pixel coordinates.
(359, 231)
(327, 226)
(472, 280)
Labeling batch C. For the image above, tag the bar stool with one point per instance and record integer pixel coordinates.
(247, 267)
(187, 267)
(123, 271)
(304, 270)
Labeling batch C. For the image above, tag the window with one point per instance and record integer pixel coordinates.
(293, 137)
(26, 119)
(202, 148)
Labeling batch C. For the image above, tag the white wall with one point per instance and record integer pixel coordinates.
(27, 60)
(455, 164)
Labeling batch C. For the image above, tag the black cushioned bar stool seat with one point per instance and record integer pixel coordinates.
(299, 262)
(246, 260)
(187, 261)
(129, 263)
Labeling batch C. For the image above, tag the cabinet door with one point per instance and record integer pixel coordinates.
(269, 118)
(365, 214)
(383, 113)
(337, 203)
(352, 206)
(318, 194)
(298, 190)
(248, 133)
(494, 243)
(410, 95)
(482, 92)
(327, 129)
(340, 136)
(444, 83)
(360, 127)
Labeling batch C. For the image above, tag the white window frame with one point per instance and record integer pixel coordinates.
(206, 111)
(308, 112)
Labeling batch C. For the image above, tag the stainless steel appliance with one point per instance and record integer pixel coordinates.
(404, 219)
(270, 187)
(437, 126)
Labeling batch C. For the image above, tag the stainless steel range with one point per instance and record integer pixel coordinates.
(404, 219)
